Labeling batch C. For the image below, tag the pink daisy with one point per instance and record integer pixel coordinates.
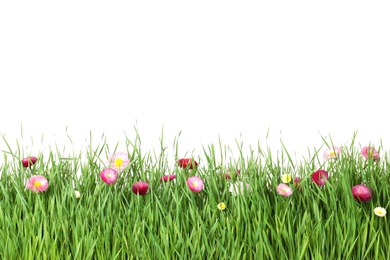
(320, 177)
(361, 192)
(119, 161)
(195, 183)
(140, 188)
(37, 183)
(284, 190)
(369, 152)
(109, 175)
(332, 153)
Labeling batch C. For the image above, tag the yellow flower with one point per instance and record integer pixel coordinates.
(221, 206)
(286, 178)
(380, 212)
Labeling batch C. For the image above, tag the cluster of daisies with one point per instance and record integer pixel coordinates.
(360, 192)
(120, 160)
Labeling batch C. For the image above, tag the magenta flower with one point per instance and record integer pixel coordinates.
(37, 183)
(320, 177)
(331, 153)
(187, 163)
(28, 161)
(140, 188)
(369, 152)
(195, 183)
(109, 175)
(119, 161)
(361, 192)
(284, 190)
(166, 178)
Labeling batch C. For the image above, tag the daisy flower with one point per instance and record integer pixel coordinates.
(361, 193)
(119, 161)
(109, 175)
(37, 183)
(331, 153)
(140, 188)
(221, 206)
(320, 177)
(284, 190)
(195, 183)
(370, 152)
(380, 212)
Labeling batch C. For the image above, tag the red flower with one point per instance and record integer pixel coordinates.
(168, 177)
(361, 192)
(140, 188)
(320, 177)
(187, 163)
(28, 161)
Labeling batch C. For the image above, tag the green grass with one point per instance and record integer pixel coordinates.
(172, 222)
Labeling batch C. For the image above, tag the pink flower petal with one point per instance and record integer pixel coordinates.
(109, 175)
(195, 183)
(284, 190)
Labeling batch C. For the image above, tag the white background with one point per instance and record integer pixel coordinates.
(207, 69)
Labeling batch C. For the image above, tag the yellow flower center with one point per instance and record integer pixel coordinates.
(118, 162)
(37, 184)
(109, 175)
(195, 184)
(332, 154)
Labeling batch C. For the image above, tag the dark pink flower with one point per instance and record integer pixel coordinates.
(166, 178)
(361, 192)
(195, 183)
(369, 152)
(28, 161)
(320, 177)
(140, 188)
(187, 163)
(109, 175)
